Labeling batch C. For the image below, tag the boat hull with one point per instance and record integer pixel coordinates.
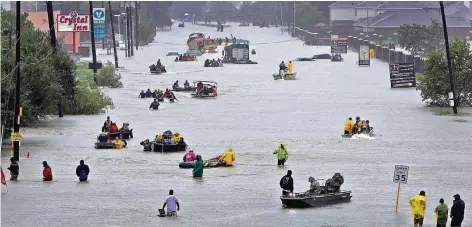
(99, 145)
(183, 89)
(159, 147)
(317, 200)
(124, 135)
(285, 76)
(212, 163)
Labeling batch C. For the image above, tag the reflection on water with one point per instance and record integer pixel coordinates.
(253, 114)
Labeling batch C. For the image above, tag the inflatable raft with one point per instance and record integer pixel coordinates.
(159, 147)
(211, 163)
(99, 145)
(182, 89)
(278, 76)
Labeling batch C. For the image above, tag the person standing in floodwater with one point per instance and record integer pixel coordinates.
(14, 169)
(286, 183)
(47, 172)
(441, 214)
(457, 211)
(172, 204)
(418, 206)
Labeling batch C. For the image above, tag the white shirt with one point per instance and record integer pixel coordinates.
(171, 202)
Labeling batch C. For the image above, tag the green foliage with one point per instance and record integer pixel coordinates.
(421, 39)
(107, 76)
(88, 98)
(147, 32)
(434, 84)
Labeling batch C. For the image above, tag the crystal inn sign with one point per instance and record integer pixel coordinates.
(73, 22)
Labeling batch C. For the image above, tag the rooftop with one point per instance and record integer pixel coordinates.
(345, 4)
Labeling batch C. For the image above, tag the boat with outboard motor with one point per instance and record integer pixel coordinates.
(194, 53)
(181, 25)
(284, 75)
(322, 56)
(205, 89)
(210, 163)
(183, 89)
(167, 143)
(122, 134)
(157, 70)
(213, 63)
(328, 193)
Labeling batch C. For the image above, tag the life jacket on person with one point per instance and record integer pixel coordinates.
(228, 157)
(118, 144)
(113, 128)
(281, 152)
(176, 137)
(107, 124)
(189, 156)
(348, 126)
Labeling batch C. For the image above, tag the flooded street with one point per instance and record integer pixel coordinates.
(253, 114)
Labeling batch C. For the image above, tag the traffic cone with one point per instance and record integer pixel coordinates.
(28, 155)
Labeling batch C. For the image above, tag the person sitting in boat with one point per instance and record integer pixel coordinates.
(103, 137)
(363, 126)
(154, 105)
(113, 128)
(253, 51)
(213, 91)
(153, 68)
(118, 144)
(189, 156)
(159, 64)
(207, 63)
(290, 67)
(186, 84)
(315, 187)
(176, 59)
(369, 129)
(142, 94)
(159, 138)
(181, 57)
(359, 125)
(282, 67)
(167, 134)
(146, 144)
(107, 125)
(125, 128)
(176, 85)
(148, 93)
(228, 158)
(348, 127)
(355, 127)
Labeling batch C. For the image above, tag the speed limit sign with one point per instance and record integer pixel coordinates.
(400, 175)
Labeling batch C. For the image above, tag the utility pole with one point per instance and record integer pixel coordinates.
(131, 29)
(128, 33)
(52, 33)
(275, 10)
(448, 53)
(293, 23)
(16, 124)
(103, 40)
(113, 33)
(92, 37)
(136, 30)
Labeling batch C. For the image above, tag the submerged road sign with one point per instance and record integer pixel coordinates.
(400, 175)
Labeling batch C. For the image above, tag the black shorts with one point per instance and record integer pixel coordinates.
(418, 221)
(281, 162)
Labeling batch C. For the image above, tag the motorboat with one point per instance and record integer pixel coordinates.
(108, 145)
(369, 134)
(328, 193)
(211, 163)
(208, 89)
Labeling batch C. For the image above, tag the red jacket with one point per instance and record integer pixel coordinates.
(189, 157)
(114, 129)
(47, 173)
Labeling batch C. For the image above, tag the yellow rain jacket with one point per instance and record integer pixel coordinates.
(176, 137)
(348, 126)
(159, 136)
(290, 68)
(418, 206)
(118, 144)
(228, 157)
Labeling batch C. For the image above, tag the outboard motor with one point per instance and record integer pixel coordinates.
(146, 144)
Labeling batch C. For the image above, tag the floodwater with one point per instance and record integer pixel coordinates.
(252, 114)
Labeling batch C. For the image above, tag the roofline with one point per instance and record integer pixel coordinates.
(343, 6)
(399, 27)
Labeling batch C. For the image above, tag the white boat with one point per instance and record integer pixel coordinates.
(285, 76)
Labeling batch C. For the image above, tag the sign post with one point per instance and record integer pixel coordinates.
(338, 45)
(364, 55)
(400, 176)
(99, 23)
(73, 22)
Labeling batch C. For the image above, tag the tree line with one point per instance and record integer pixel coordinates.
(47, 78)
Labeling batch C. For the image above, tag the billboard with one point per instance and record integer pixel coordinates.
(339, 45)
(73, 22)
(402, 75)
(364, 55)
(99, 23)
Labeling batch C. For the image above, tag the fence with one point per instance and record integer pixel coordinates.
(382, 53)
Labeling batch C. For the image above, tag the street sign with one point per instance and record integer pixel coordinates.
(99, 23)
(16, 136)
(402, 75)
(389, 39)
(73, 22)
(339, 46)
(400, 175)
(364, 55)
